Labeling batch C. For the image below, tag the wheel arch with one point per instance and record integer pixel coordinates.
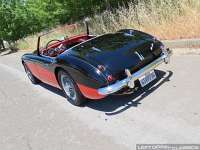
(57, 69)
(23, 62)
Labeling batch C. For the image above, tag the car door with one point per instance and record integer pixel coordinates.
(31, 61)
(45, 69)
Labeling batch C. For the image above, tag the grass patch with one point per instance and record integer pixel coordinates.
(166, 19)
(59, 33)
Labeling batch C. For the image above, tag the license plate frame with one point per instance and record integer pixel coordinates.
(147, 78)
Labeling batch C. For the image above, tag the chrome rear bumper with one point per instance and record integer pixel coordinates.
(165, 57)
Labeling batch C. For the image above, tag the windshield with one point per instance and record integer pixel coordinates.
(60, 34)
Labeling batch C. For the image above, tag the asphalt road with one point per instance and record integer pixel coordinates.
(37, 117)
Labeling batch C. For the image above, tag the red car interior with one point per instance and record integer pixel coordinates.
(64, 45)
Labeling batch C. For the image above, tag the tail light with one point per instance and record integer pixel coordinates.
(102, 68)
(110, 78)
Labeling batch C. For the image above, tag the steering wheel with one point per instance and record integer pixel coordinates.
(51, 42)
(52, 52)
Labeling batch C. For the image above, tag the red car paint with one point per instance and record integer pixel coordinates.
(74, 39)
(90, 92)
(50, 78)
(33, 69)
(43, 74)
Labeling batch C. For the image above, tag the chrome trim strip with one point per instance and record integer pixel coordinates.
(165, 57)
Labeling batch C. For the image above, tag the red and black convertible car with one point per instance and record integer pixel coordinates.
(94, 67)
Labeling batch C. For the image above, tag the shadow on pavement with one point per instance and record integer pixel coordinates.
(4, 52)
(115, 104)
(52, 89)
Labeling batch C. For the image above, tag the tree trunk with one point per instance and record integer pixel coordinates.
(2, 44)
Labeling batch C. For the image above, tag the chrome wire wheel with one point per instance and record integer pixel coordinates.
(68, 87)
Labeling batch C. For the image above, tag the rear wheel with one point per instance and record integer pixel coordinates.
(70, 89)
(33, 79)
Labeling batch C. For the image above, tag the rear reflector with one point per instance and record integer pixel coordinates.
(110, 78)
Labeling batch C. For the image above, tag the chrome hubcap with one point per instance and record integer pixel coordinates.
(68, 87)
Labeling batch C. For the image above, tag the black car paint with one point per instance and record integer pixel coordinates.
(82, 72)
(116, 51)
(82, 64)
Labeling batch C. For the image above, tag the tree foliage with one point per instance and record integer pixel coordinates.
(19, 18)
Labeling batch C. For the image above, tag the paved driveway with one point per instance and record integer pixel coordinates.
(38, 117)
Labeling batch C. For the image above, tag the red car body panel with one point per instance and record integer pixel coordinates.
(50, 78)
(90, 93)
(43, 74)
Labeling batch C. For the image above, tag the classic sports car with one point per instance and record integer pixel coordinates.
(94, 67)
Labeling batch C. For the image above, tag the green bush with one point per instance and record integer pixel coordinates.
(20, 18)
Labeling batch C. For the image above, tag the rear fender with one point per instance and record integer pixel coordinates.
(83, 72)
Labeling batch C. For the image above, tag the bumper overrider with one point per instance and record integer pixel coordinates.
(165, 57)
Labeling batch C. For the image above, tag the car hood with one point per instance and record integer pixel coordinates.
(118, 51)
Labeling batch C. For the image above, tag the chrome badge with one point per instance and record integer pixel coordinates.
(139, 55)
(151, 48)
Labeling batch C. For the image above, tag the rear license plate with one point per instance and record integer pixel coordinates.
(147, 78)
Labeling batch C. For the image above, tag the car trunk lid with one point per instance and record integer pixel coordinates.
(118, 51)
